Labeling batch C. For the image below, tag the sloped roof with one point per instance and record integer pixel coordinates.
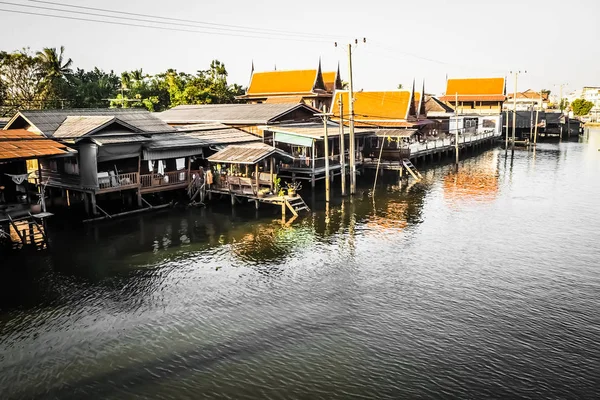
(475, 89)
(274, 82)
(48, 121)
(434, 105)
(374, 107)
(332, 80)
(20, 144)
(238, 114)
(246, 154)
(529, 94)
(79, 126)
(201, 138)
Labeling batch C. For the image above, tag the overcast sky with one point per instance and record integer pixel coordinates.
(555, 41)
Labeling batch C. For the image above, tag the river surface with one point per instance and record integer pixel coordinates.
(481, 284)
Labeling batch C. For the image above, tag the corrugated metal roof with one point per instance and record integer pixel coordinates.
(19, 144)
(78, 126)
(229, 113)
(48, 121)
(315, 131)
(201, 138)
(246, 154)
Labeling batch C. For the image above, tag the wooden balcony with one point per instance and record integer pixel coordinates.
(114, 183)
(168, 181)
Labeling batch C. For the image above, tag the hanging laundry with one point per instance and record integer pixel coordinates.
(18, 178)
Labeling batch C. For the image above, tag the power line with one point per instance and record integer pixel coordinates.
(164, 28)
(195, 22)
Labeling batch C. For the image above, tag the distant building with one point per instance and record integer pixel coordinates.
(311, 86)
(527, 100)
(479, 96)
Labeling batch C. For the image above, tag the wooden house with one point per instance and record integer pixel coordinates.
(527, 100)
(22, 200)
(126, 152)
(306, 144)
(309, 86)
(246, 117)
(475, 96)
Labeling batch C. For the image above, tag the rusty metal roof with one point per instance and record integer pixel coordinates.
(20, 144)
(246, 154)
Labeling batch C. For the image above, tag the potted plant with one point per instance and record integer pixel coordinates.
(293, 188)
(263, 192)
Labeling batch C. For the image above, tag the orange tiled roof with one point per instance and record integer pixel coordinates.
(284, 100)
(491, 97)
(329, 80)
(21, 144)
(376, 106)
(474, 88)
(278, 82)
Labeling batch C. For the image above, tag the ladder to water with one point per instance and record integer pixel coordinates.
(28, 231)
(296, 204)
(410, 167)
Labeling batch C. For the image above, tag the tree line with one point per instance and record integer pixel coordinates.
(46, 80)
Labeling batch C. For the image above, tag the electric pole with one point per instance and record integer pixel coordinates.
(342, 145)
(325, 116)
(352, 146)
(456, 132)
(351, 125)
(514, 122)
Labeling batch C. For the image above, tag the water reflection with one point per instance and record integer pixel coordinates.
(405, 294)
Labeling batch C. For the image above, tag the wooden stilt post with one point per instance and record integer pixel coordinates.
(93, 201)
(256, 177)
(314, 156)
(271, 169)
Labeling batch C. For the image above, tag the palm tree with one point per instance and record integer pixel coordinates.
(55, 72)
(53, 62)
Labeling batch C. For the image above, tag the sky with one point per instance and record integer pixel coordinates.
(555, 42)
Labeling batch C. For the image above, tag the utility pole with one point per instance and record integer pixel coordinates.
(456, 132)
(351, 125)
(352, 146)
(342, 146)
(514, 124)
(537, 118)
(506, 145)
(531, 123)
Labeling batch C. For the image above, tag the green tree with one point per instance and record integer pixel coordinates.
(56, 71)
(22, 76)
(400, 86)
(93, 89)
(581, 107)
(564, 103)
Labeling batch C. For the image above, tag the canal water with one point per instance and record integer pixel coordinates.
(479, 284)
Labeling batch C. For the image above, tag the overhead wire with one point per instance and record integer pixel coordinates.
(203, 24)
(164, 28)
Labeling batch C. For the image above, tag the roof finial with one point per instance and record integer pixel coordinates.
(251, 72)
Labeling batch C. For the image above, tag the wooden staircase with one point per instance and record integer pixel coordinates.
(410, 167)
(296, 205)
(26, 231)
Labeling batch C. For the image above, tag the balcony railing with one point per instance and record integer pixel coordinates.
(118, 182)
(174, 178)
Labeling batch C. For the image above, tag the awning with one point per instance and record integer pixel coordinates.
(293, 139)
(399, 133)
(246, 154)
(163, 154)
